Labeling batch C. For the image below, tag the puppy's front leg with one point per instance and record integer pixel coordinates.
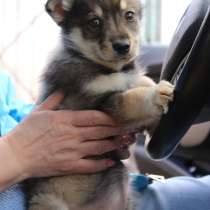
(142, 105)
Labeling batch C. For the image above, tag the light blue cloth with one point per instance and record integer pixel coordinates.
(12, 111)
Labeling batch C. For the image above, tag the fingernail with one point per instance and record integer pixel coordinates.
(125, 137)
(110, 163)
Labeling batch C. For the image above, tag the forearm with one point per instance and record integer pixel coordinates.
(10, 172)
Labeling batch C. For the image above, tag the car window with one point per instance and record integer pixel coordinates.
(160, 19)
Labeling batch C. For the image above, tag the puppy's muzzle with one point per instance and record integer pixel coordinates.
(121, 47)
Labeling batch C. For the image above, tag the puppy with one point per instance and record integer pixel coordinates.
(95, 67)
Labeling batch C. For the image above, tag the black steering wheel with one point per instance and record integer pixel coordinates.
(187, 66)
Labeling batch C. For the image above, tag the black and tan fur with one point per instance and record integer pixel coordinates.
(95, 68)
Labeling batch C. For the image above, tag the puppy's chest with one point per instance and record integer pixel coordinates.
(115, 82)
(95, 90)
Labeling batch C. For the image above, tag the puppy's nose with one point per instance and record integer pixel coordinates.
(121, 47)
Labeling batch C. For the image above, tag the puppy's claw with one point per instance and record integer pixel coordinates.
(164, 93)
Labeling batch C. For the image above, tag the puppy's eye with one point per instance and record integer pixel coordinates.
(95, 22)
(130, 16)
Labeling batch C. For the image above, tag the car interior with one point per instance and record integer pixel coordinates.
(180, 144)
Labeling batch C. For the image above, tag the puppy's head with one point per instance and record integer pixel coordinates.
(105, 31)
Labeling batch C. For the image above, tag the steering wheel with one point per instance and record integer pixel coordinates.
(187, 66)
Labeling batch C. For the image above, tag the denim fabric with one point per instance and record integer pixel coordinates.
(180, 193)
(12, 199)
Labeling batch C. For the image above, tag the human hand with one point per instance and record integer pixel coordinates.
(49, 143)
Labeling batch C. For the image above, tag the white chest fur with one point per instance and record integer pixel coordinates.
(112, 82)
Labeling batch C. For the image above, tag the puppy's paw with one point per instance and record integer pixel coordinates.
(164, 93)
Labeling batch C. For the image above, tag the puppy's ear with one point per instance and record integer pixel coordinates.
(57, 9)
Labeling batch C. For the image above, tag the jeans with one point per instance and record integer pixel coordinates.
(180, 193)
(12, 199)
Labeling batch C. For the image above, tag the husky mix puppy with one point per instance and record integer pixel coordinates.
(95, 67)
